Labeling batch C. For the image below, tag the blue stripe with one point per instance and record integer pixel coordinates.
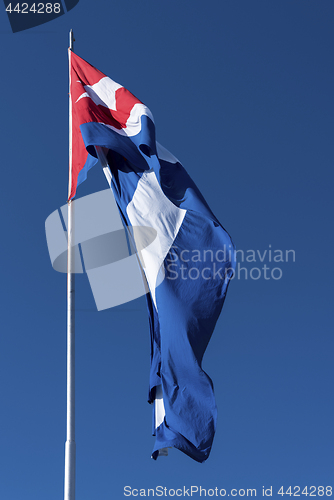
(194, 288)
(90, 162)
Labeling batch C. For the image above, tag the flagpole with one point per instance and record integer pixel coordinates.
(69, 481)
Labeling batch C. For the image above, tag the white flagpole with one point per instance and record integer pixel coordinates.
(69, 483)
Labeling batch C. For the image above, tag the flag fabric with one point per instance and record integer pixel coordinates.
(188, 266)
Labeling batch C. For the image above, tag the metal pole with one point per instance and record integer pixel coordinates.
(101, 156)
(69, 483)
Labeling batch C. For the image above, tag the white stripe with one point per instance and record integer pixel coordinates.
(103, 93)
(159, 406)
(160, 415)
(150, 207)
(133, 124)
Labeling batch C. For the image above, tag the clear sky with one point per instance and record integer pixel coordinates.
(242, 93)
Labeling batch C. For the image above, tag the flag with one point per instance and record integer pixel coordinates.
(188, 266)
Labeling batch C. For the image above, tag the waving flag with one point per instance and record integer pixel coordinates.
(188, 266)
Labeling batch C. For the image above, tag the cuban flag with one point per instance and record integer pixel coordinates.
(187, 267)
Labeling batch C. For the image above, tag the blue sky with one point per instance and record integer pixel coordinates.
(242, 94)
